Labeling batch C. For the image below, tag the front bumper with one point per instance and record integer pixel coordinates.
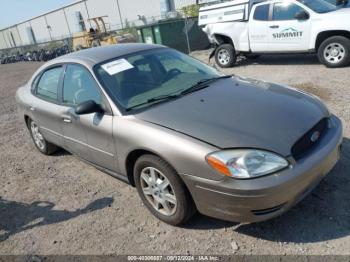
(266, 197)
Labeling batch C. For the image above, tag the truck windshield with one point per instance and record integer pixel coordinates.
(319, 6)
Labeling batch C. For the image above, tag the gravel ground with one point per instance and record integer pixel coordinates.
(60, 205)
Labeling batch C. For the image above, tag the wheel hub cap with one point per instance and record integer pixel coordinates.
(38, 138)
(158, 191)
(224, 57)
(334, 53)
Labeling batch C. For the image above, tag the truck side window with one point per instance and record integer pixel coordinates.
(283, 11)
(262, 13)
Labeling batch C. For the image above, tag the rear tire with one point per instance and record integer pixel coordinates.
(171, 204)
(225, 56)
(335, 52)
(44, 146)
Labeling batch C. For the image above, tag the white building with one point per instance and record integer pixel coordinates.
(67, 20)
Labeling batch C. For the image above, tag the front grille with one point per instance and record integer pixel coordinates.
(305, 144)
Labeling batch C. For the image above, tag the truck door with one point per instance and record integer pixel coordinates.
(258, 30)
(289, 28)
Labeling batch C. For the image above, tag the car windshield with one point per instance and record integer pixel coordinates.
(319, 6)
(144, 78)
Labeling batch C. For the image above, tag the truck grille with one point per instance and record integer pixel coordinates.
(305, 144)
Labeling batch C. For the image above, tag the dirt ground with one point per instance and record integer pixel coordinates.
(60, 205)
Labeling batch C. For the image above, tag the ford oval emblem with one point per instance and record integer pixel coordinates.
(315, 136)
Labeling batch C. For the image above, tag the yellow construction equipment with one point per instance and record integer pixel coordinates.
(97, 36)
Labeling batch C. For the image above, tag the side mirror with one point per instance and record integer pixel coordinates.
(88, 107)
(302, 15)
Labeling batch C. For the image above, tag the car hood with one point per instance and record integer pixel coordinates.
(241, 113)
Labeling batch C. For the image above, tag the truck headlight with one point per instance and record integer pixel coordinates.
(246, 163)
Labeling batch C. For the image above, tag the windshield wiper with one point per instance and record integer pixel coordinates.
(154, 99)
(202, 84)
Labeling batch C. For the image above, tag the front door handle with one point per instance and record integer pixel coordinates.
(274, 26)
(66, 119)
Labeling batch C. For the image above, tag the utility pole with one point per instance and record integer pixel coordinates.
(48, 27)
(87, 11)
(65, 17)
(120, 14)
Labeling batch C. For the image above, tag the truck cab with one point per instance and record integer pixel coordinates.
(284, 26)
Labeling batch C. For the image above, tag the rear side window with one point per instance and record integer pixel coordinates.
(262, 13)
(48, 84)
(282, 11)
(35, 83)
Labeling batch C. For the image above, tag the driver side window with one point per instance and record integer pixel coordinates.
(79, 86)
(283, 11)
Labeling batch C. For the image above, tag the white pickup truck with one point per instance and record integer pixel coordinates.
(250, 28)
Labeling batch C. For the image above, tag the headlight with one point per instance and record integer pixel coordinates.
(246, 163)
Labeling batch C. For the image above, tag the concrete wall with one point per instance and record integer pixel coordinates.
(71, 16)
(130, 9)
(23, 31)
(10, 37)
(3, 43)
(40, 29)
(58, 25)
(182, 3)
(105, 8)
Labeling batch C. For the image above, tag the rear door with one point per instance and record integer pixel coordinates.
(89, 136)
(45, 108)
(258, 24)
(286, 33)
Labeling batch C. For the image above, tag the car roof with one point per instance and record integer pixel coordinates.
(96, 55)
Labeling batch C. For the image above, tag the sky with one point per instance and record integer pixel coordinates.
(15, 11)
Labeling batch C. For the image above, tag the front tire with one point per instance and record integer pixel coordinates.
(335, 52)
(162, 191)
(40, 142)
(225, 56)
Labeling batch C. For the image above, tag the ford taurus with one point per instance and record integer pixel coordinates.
(186, 136)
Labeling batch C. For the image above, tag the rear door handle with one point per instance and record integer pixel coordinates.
(32, 108)
(274, 26)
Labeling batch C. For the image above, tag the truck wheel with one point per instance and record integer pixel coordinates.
(335, 52)
(225, 56)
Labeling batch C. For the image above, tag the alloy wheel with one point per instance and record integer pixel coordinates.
(37, 136)
(158, 191)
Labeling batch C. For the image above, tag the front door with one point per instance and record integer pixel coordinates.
(286, 32)
(89, 136)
